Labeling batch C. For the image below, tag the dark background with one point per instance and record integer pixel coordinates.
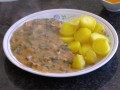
(13, 78)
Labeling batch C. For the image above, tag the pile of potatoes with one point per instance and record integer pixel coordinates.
(86, 39)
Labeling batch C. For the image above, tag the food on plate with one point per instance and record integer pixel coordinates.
(95, 36)
(68, 29)
(87, 21)
(101, 46)
(84, 48)
(74, 46)
(47, 45)
(67, 39)
(76, 22)
(78, 62)
(82, 35)
(99, 28)
(89, 43)
(90, 57)
(37, 44)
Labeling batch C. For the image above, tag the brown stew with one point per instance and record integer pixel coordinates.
(37, 45)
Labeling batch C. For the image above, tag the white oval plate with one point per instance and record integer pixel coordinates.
(62, 15)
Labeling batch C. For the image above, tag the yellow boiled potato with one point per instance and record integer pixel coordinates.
(68, 29)
(75, 21)
(87, 22)
(99, 28)
(90, 57)
(78, 62)
(95, 36)
(67, 39)
(74, 46)
(84, 48)
(82, 35)
(101, 46)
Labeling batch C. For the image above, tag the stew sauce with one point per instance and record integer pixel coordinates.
(37, 45)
